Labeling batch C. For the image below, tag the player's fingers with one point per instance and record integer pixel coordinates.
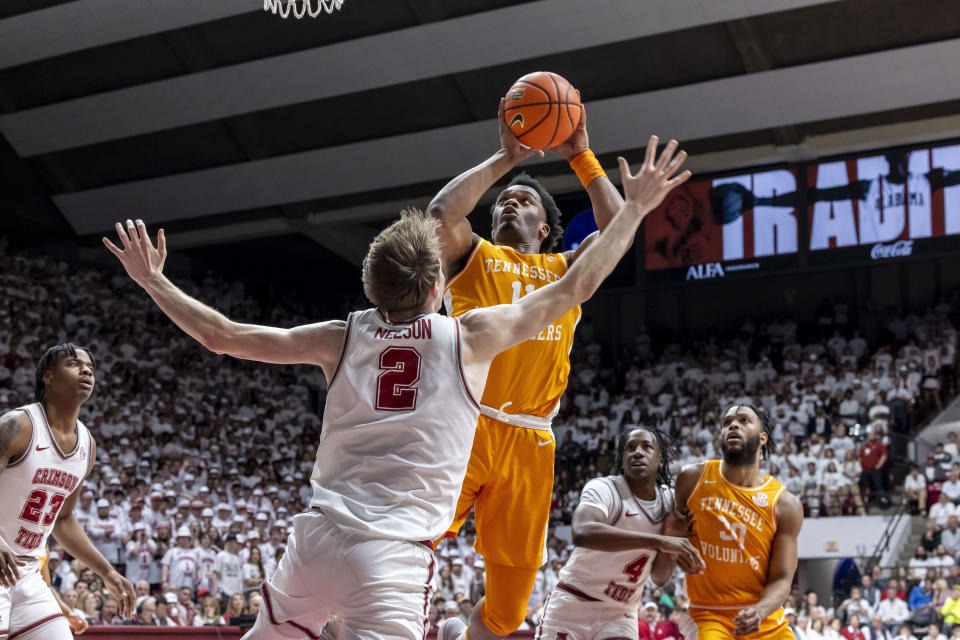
(122, 234)
(112, 248)
(142, 232)
(674, 182)
(162, 244)
(583, 116)
(667, 154)
(624, 169)
(651, 150)
(132, 231)
(675, 164)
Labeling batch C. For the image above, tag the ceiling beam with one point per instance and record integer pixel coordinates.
(84, 24)
(885, 80)
(851, 141)
(469, 42)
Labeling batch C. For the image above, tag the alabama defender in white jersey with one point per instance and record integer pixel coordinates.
(400, 414)
(45, 453)
(617, 533)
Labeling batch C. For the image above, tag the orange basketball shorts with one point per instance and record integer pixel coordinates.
(509, 482)
(718, 625)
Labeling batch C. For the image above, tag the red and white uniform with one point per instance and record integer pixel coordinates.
(205, 559)
(600, 591)
(397, 432)
(182, 565)
(34, 488)
(140, 562)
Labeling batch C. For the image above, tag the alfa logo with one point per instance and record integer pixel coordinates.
(761, 500)
(83, 453)
(517, 119)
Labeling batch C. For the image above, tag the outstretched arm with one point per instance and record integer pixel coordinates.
(460, 196)
(783, 566)
(69, 533)
(489, 331)
(317, 344)
(591, 531)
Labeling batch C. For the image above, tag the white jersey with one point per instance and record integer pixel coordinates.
(397, 429)
(617, 576)
(36, 485)
(182, 565)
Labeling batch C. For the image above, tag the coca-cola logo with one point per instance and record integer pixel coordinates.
(897, 249)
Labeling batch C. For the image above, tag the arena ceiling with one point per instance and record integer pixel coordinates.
(225, 123)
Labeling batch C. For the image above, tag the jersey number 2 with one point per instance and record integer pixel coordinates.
(36, 501)
(399, 372)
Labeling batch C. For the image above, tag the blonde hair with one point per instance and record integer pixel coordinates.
(210, 603)
(403, 263)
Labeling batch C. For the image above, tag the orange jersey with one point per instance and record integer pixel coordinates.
(532, 375)
(734, 529)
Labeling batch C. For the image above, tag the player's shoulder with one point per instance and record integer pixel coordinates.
(788, 511)
(602, 483)
(692, 471)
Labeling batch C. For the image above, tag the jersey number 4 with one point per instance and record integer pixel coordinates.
(635, 569)
(399, 372)
(33, 509)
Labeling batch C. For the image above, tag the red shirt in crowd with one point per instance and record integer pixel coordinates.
(850, 633)
(870, 454)
(644, 630)
(667, 629)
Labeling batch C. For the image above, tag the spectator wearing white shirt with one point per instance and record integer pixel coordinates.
(892, 611)
(950, 537)
(228, 569)
(944, 561)
(179, 564)
(915, 489)
(941, 512)
(106, 532)
(951, 488)
(919, 563)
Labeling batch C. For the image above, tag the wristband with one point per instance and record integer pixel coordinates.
(587, 168)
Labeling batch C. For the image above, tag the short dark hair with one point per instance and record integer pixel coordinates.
(51, 359)
(403, 263)
(764, 422)
(549, 206)
(664, 443)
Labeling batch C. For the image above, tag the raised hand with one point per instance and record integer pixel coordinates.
(139, 257)
(509, 143)
(578, 142)
(650, 185)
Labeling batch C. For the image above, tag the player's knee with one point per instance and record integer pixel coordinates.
(504, 619)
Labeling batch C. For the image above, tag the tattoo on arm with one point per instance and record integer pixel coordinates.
(10, 428)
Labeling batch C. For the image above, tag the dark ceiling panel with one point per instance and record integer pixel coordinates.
(854, 27)
(406, 108)
(9, 8)
(201, 146)
(89, 72)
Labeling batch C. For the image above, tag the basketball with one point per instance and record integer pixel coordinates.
(542, 109)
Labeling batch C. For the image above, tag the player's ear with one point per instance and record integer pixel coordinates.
(544, 232)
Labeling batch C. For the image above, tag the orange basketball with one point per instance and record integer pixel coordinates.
(542, 109)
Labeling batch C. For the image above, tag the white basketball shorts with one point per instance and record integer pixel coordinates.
(567, 616)
(29, 610)
(379, 588)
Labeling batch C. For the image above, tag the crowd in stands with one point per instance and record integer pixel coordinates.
(203, 460)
